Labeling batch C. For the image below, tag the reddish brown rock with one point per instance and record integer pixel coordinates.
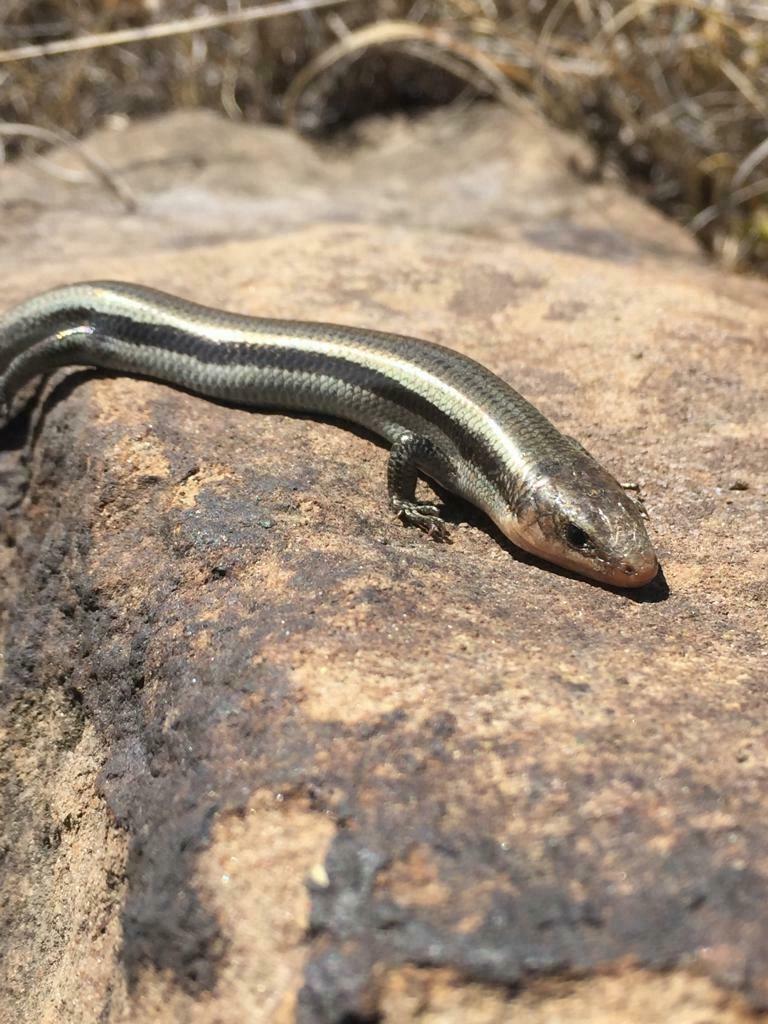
(269, 755)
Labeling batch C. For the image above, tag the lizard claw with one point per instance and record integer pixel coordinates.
(425, 516)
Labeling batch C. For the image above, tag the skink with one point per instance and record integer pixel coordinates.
(443, 414)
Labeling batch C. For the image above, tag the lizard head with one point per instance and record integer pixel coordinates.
(574, 514)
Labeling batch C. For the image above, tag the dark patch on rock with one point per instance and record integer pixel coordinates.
(657, 912)
(568, 310)
(599, 243)
(488, 291)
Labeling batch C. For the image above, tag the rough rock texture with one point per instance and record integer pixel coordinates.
(272, 757)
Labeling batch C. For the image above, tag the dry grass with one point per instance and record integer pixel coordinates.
(673, 94)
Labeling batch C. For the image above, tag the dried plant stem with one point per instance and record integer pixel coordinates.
(184, 26)
(94, 165)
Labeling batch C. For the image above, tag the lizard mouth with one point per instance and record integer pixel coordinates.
(633, 572)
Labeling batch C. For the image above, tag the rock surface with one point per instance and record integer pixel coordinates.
(269, 756)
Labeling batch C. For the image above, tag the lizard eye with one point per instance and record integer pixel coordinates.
(577, 538)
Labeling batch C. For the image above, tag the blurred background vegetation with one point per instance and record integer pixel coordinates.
(673, 96)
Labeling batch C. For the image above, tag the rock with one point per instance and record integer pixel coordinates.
(326, 769)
